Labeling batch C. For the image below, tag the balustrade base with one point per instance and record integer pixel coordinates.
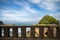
(17, 38)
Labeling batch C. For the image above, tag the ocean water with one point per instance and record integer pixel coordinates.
(23, 24)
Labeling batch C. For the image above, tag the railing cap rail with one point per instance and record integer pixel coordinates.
(33, 26)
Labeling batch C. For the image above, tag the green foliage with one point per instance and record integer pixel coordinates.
(1, 23)
(48, 20)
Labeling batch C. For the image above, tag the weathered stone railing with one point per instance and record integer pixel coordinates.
(23, 32)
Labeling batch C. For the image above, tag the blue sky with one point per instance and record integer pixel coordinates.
(28, 11)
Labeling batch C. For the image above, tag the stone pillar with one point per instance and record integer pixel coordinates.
(23, 32)
(15, 31)
(6, 32)
(0, 32)
(50, 32)
(32, 31)
(41, 32)
(58, 32)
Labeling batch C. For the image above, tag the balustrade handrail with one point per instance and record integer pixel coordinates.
(23, 30)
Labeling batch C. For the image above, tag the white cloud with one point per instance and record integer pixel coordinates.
(23, 4)
(28, 9)
(26, 6)
(56, 15)
(18, 15)
(26, 13)
(35, 1)
(46, 4)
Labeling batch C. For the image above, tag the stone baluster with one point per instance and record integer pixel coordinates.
(58, 32)
(15, 31)
(50, 32)
(32, 32)
(41, 32)
(23, 32)
(0, 31)
(6, 32)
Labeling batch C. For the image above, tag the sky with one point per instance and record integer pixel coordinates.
(28, 11)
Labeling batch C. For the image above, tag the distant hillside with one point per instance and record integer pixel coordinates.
(48, 20)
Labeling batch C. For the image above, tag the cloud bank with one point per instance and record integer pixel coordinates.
(28, 10)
